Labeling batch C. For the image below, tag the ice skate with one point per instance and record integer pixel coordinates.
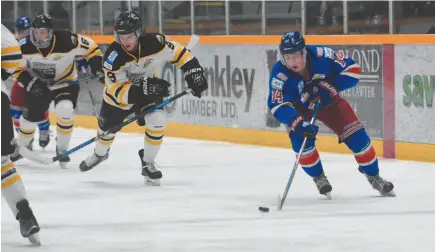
(151, 175)
(64, 161)
(384, 187)
(29, 227)
(323, 185)
(92, 161)
(16, 155)
(44, 138)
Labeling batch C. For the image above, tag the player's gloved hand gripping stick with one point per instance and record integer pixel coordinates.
(281, 200)
(46, 160)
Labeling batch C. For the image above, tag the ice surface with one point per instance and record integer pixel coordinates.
(209, 201)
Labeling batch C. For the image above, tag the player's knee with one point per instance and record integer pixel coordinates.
(26, 124)
(64, 109)
(156, 120)
(358, 141)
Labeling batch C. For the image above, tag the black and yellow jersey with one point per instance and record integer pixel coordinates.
(124, 69)
(12, 59)
(55, 64)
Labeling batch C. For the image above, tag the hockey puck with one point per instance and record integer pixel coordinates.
(263, 209)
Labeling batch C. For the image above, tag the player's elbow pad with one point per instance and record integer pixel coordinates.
(285, 115)
(345, 82)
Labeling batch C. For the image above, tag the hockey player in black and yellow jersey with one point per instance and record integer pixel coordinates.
(13, 189)
(49, 55)
(129, 65)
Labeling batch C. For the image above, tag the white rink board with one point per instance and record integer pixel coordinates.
(415, 93)
(209, 198)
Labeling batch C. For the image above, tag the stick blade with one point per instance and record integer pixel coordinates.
(32, 156)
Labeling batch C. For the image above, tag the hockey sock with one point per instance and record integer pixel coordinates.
(26, 131)
(155, 127)
(44, 125)
(310, 162)
(365, 155)
(12, 186)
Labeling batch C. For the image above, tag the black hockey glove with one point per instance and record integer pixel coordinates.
(96, 65)
(155, 87)
(37, 88)
(194, 76)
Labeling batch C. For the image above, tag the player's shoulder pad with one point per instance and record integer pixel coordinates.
(65, 41)
(27, 47)
(279, 76)
(114, 57)
(152, 43)
(321, 51)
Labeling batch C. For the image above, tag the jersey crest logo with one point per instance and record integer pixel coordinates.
(112, 57)
(58, 57)
(147, 63)
(318, 76)
(277, 83)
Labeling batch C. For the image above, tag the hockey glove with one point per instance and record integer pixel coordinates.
(96, 65)
(155, 87)
(322, 89)
(301, 127)
(327, 92)
(37, 88)
(194, 76)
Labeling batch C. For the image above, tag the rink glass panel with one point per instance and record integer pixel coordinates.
(324, 17)
(283, 16)
(176, 17)
(209, 17)
(245, 17)
(89, 21)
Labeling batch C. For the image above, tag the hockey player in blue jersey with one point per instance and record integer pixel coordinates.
(304, 73)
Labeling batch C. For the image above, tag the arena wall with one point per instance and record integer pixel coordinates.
(394, 99)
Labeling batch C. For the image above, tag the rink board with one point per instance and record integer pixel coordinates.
(234, 107)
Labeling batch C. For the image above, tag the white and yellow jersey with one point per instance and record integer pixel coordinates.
(124, 69)
(12, 58)
(56, 64)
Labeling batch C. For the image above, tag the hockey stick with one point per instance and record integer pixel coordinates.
(45, 160)
(72, 83)
(94, 104)
(281, 200)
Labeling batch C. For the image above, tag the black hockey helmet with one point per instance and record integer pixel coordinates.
(127, 22)
(42, 21)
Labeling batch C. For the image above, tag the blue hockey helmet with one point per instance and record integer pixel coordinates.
(23, 23)
(291, 42)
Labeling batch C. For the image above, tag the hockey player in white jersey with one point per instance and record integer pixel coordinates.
(49, 55)
(12, 186)
(129, 64)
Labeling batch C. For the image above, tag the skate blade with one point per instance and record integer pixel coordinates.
(34, 239)
(389, 194)
(328, 195)
(63, 165)
(151, 182)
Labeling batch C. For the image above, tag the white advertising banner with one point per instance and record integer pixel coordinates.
(415, 90)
